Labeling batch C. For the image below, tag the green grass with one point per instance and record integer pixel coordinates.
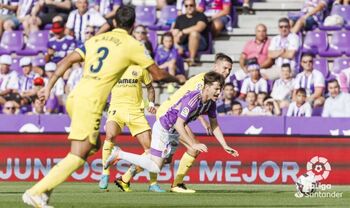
(85, 195)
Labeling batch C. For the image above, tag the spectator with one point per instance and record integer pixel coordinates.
(168, 59)
(83, 17)
(191, 31)
(236, 108)
(337, 104)
(254, 82)
(271, 107)
(57, 92)
(10, 108)
(218, 12)
(224, 106)
(8, 81)
(246, 7)
(107, 9)
(283, 49)
(26, 81)
(313, 15)
(140, 34)
(311, 80)
(89, 33)
(344, 80)
(252, 109)
(38, 107)
(181, 7)
(282, 89)
(260, 98)
(60, 44)
(7, 12)
(343, 2)
(300, 108)
(257, 48)
(23, 12)
(45, 11)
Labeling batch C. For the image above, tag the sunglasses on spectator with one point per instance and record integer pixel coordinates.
(283, 26)
(10, 108)
(189, 5)
(141, 32)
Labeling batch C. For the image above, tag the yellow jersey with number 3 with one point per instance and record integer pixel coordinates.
(106, 57)
(195, 83)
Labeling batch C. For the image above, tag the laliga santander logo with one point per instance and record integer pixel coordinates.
(319, 167)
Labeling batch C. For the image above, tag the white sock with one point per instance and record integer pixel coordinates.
(140, 160)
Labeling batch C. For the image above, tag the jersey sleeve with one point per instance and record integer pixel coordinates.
(212, 110)
(188, 104)
(290, 110)
(244, 88)
(70, 21)
(140, 55)
(81, 50)
(297, 82)
(264, 86)
(146, 77)
(98, 20)
(293, 42)
(319, 80)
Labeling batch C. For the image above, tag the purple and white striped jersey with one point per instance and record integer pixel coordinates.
(106, 6)
(188, 108)
(61, 47)
(25, 7)
(4, 11)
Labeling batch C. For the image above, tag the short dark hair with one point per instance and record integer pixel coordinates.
(223, 57)
(333, 81)
(307, 54)
(167, 34)
(125, 17)
(283, 19)
(229, 84)
(211, 77)
(236, 103)
(301, 90)
(286, 65)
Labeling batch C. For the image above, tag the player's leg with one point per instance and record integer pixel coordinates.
(185, 164)
(112, 130)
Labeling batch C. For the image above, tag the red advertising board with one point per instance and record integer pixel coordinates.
(262, 160)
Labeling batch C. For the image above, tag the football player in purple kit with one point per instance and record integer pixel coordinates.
(172, 125)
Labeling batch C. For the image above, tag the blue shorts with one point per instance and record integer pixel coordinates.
(309, 23)
(203, 44)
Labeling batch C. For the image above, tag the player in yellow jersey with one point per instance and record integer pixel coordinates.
(106, 58)
(127, 108)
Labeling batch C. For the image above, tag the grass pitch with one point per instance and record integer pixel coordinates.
(86, 195)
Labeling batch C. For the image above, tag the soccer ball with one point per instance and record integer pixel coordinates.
(305, 185)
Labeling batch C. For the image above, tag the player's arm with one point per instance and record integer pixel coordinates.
(151, 98)
(220, 137)
(180, 128)
(206, 125)
(62, 67)
(159, 74)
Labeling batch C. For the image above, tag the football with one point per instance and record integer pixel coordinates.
(306, 184)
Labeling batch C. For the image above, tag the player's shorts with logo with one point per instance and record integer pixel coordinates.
(134, 119)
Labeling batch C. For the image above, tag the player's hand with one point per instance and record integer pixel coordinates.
(152, 110)
(43, 94)
(200, 147)
(231, 151)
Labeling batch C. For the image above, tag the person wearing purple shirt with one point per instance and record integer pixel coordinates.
(167, 58)
(169, 128)
(60, 45)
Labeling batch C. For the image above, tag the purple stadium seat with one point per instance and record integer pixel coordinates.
(37, 42)
(167, 16)
(339, 44)
(38, 61)
(321, 64)
(146, 15)
(339, 10)
(152, 36)
(15, 65)
(11, 42)
(339, 64)
(315, 41)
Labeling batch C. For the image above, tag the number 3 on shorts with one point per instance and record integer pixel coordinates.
(102, 53)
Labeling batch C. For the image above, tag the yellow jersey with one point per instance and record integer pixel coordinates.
(128, 90)
(195, 83)
(106, 57)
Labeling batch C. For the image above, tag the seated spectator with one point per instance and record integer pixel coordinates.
(313, 11)
(236, 108)
(83, 17)
(140, 34)
(74, 77)
(344, 80)
(8, 81)
(7, 12)
(26, 81)
(23, 12)
(254, 82)
(45, 11)
(271, 107)
(60, 45)
(181, 7)
(167, 58)
(337, 104)
(218, 12)
(10, 108)
(224, 105)
(282, 89)
(343, 2)
(38, 107)
(283, 49)
(107, 9)
(260, 98)
(57, 92)
(255, 49)
(190, 31)
(300, 108)
(311, 80)
(252, 109)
